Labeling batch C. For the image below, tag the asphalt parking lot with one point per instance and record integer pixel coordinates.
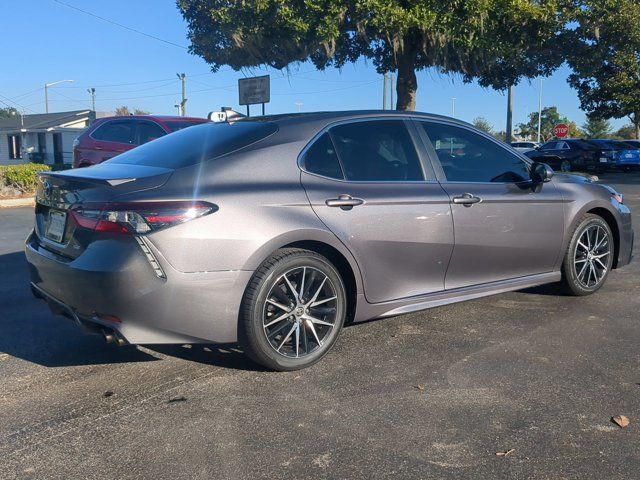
(434, 394)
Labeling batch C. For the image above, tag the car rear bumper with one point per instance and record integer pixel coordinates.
(117, 289)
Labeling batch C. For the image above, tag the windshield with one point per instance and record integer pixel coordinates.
(198, 144)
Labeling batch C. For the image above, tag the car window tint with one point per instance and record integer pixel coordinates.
(174, 126)
(380, 150)
(197, 144)
(321, 158)
(120, 132)
(148, 131)
(466, 156)
(549, 146)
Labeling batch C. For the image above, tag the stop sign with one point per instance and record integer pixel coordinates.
(561, 130)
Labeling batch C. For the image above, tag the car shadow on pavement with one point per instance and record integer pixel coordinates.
(224, 356)
(29, 331)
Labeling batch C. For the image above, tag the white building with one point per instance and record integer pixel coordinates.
(46, 137)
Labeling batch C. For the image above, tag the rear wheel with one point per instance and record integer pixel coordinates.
(565, 166)
(292, 311)
(589, 257)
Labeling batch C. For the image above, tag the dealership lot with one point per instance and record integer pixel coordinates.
(434, 394)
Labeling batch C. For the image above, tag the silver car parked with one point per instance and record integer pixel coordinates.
(274, 231)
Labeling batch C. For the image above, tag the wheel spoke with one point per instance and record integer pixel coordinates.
(317, 320)
(279, 305)
(287, 336)
(583, 269)
(580, 244)
(293, 290)
(297, 340)
(604, 267)
(279, 319)
(313, 331)
(304, 273)
(320, 302)
(276, 331)
(315, 295)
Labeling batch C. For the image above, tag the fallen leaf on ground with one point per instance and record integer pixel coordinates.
(177, 399)
(505, 453)
(620, 420)
(108, 393)
(4, 356)
(419, 387)
(297, 377)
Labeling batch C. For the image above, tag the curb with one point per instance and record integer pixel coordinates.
(17, 202)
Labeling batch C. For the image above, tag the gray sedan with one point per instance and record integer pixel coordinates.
(272, 232)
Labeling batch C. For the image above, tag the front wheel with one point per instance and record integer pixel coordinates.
(292, 310)
(589, 257)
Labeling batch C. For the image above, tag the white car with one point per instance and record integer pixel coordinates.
(525, 146)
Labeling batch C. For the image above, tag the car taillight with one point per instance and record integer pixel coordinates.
(139, 218)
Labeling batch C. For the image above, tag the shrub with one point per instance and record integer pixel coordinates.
(22, 177)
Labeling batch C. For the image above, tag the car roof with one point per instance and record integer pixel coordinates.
(329, 117)
(162, 118)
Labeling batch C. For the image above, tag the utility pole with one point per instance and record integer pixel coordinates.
(92, 92)
(509, 114)
(183, 103)
(384, 92)
(179, 108)
(46, 92)
(299, 105)
(539, 110)
(453, 107)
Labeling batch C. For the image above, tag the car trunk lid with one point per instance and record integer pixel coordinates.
(59, 194)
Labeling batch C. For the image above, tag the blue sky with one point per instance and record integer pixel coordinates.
(48, 42)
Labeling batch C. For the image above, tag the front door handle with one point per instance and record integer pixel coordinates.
(466, 199)
(345, 202)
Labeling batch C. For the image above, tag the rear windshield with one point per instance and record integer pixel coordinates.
(197, 144)
(176, 125)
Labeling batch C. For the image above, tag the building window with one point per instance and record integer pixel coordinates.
(14, 147)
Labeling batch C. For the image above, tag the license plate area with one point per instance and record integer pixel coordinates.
(56, 225)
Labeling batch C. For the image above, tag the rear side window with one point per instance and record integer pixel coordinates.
(148, 131)
(379, 150)
(549, 146)
(321, 159)
(117, 131)
(197, 144)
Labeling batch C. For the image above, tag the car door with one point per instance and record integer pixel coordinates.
(367, 183)
(503, 229)
(112, 138)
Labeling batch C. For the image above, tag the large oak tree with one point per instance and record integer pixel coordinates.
(494, 40)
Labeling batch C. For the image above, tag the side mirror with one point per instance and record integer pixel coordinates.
(541, 173)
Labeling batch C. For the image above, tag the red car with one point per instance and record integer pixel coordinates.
(111, 136)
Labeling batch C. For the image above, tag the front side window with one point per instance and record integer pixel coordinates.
(321, 159)
(118, 132)
(380, 150)
(549, 146)
(148, 131)
(466, 156)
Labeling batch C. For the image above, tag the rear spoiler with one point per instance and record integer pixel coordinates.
(113, 182)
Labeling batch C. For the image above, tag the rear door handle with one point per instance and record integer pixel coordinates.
(345, 202)
(466, 199)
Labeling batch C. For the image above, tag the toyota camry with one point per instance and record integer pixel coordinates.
(272, 232)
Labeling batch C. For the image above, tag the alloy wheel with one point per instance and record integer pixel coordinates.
(565, 166)
(300, 312)
(591, 258)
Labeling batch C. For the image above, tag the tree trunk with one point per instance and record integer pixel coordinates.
(636, 123)
(407, 84)
(508, 131)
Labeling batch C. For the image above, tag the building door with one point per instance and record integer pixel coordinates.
(58, 154)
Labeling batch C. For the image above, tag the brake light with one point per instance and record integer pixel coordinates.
(139, 218)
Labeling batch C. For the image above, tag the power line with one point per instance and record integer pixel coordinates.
(131, 29)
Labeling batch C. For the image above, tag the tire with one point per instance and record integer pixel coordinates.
(565, 166)
(588, 259)
(306, 326)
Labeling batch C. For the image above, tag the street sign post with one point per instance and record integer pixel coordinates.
(254, 90)
(561, 130)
